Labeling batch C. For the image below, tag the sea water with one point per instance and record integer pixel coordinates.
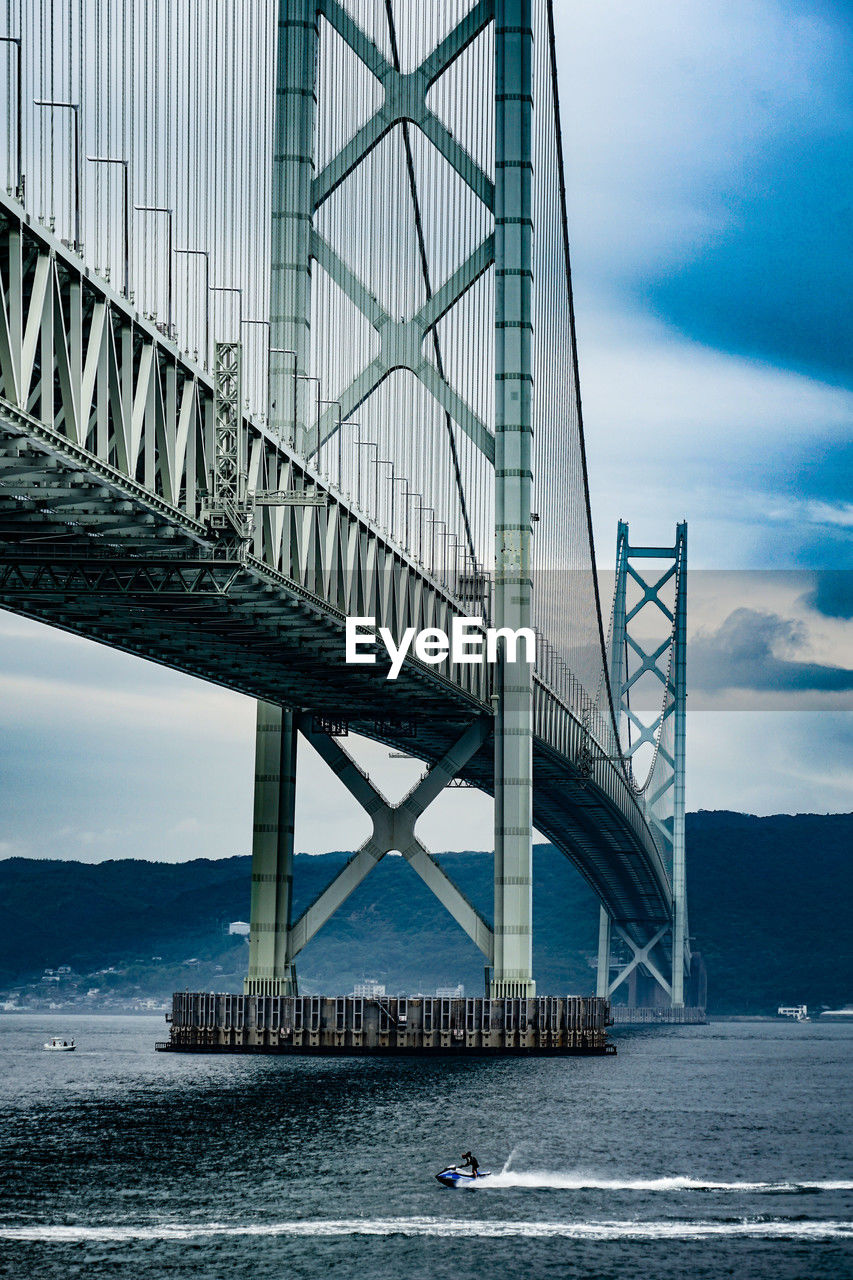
(697, 1151)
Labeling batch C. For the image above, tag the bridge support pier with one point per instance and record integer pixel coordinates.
(602, 984)
(271, 971)
(292, 210)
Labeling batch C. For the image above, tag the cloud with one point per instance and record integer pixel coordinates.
(183, 711)
(676, 429)
(707, 154)
(708, 157)
(752, 651)
(832, 594)
(44, 669)
(784, 761)
(668, 112)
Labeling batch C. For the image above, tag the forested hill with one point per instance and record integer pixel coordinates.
(771, 901)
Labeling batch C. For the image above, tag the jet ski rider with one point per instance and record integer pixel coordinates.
(468, 1159)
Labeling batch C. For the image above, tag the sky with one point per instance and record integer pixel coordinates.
(708, 150)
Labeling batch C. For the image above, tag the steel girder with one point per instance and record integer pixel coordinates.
(394, 829)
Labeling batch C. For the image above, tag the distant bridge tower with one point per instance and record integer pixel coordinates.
(651, 584)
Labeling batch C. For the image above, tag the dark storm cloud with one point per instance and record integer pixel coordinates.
(741, 654)
(776, 284)
(832, 594)
(774, 280)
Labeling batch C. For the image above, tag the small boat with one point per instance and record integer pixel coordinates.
(799, 1012)
(453, 1177)
(57, 1045)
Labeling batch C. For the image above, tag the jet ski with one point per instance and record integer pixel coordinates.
(453, 1177)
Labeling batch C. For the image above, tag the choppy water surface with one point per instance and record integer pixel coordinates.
(698, 1151)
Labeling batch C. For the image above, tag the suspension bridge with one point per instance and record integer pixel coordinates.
(287, 338)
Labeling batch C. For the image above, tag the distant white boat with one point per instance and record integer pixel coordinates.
(799, 1012)
(57, 1045)
(839, 1014)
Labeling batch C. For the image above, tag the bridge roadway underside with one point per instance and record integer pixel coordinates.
(99, 555)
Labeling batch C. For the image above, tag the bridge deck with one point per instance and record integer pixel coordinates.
(155, 587)
(105, 442)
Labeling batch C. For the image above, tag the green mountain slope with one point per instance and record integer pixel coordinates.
(770, 905)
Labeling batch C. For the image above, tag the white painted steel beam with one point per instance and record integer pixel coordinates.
(402, 345)
(602, 984)
(405, 99)
(292, 209)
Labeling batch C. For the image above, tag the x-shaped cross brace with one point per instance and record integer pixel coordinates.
(394, 829)
(404, 99)
(402, 344)
(641, 956)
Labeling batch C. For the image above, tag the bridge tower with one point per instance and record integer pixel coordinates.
(297, 194)
(633, 655)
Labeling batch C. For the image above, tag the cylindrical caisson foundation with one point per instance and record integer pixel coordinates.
(203, 1023)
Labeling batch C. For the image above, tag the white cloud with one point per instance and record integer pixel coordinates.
(190, 708)
(676, 429)
(783, 762)
(667, 107)
(669, 112)
(839, 514)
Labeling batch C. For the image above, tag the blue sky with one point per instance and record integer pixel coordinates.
(709, 153)
(708, 150)
(709, 156)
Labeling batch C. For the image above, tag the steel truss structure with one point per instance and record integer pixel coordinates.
(273, 948)
(142, 505)
(104, 496)
(652, 570)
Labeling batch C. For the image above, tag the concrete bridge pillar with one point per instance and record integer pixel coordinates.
(271, 970)
(513, 974)
(602, 986)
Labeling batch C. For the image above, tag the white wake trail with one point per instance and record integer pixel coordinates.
(484, 1229)
(546, 1180)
